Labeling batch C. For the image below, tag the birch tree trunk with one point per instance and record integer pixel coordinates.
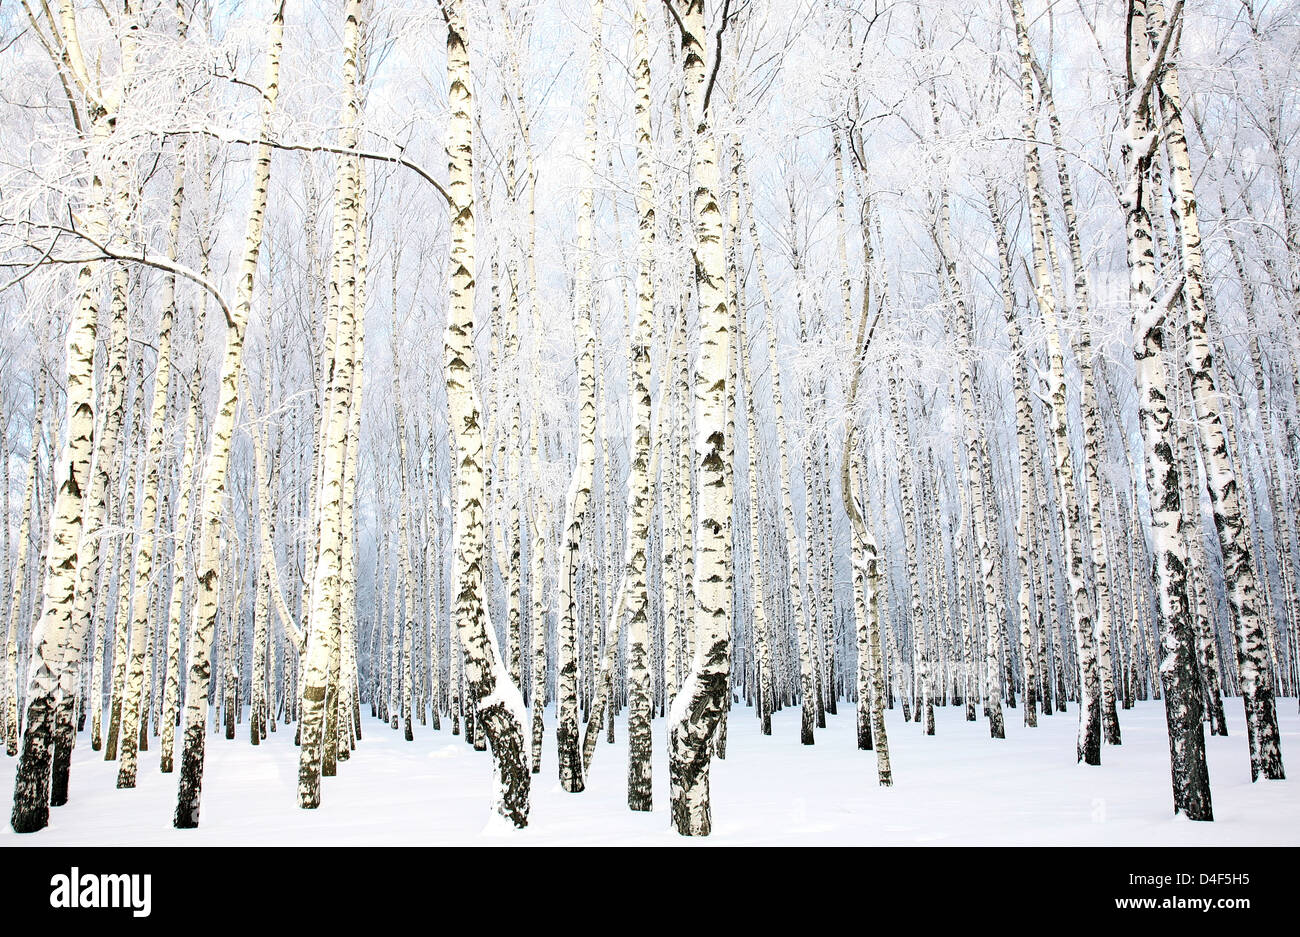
(318, 751)
(765, 701)
(1081, 601)
(1084, 354)
(498, 702)
(50, 643)
(1221, 481)
(341, 711)
(866, 567)
(787, 503)
(698, 707)
(1024, 446)
(132, 452)
(217, 460)
(157, 421)
(639, 704)
(20, 574)
(566, 733)
(1178, 666)
(53, 648)
(985, 527)
(405, 574)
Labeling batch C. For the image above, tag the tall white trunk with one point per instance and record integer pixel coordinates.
(1191, 787)
(1225, 501)
(698, 707)
(499, 704)
(218, 456)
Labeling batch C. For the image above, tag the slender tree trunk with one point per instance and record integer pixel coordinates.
(218, 457)
(1178, 666)
(1225, 502)
(703, 695)
(566, 738)
(639, 794)
(498, 702)
(1081, 600)
(51, 645)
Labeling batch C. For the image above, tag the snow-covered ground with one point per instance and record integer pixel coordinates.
(958, 787)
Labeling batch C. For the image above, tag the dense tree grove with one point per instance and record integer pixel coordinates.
(460, 360)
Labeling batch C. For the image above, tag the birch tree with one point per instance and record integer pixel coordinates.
(703, 694)
(217, 460)
(499, 705)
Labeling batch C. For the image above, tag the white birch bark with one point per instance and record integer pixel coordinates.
(499, 704)
(698, 706)
(868, 583)
(1190, 777)
(985, 528)
(20, 573)
(1081, 600)
(218, 456)
(639, 788)
(789, 529)
(153, 454)
(49, 644)
(1221, 481)
(1024, 443)
(568, 745)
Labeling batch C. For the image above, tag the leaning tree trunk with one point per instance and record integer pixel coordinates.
(218, 457)
(1089, 747)
(499, 704)
(54, 651)
(50, 644)
(157, 423)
